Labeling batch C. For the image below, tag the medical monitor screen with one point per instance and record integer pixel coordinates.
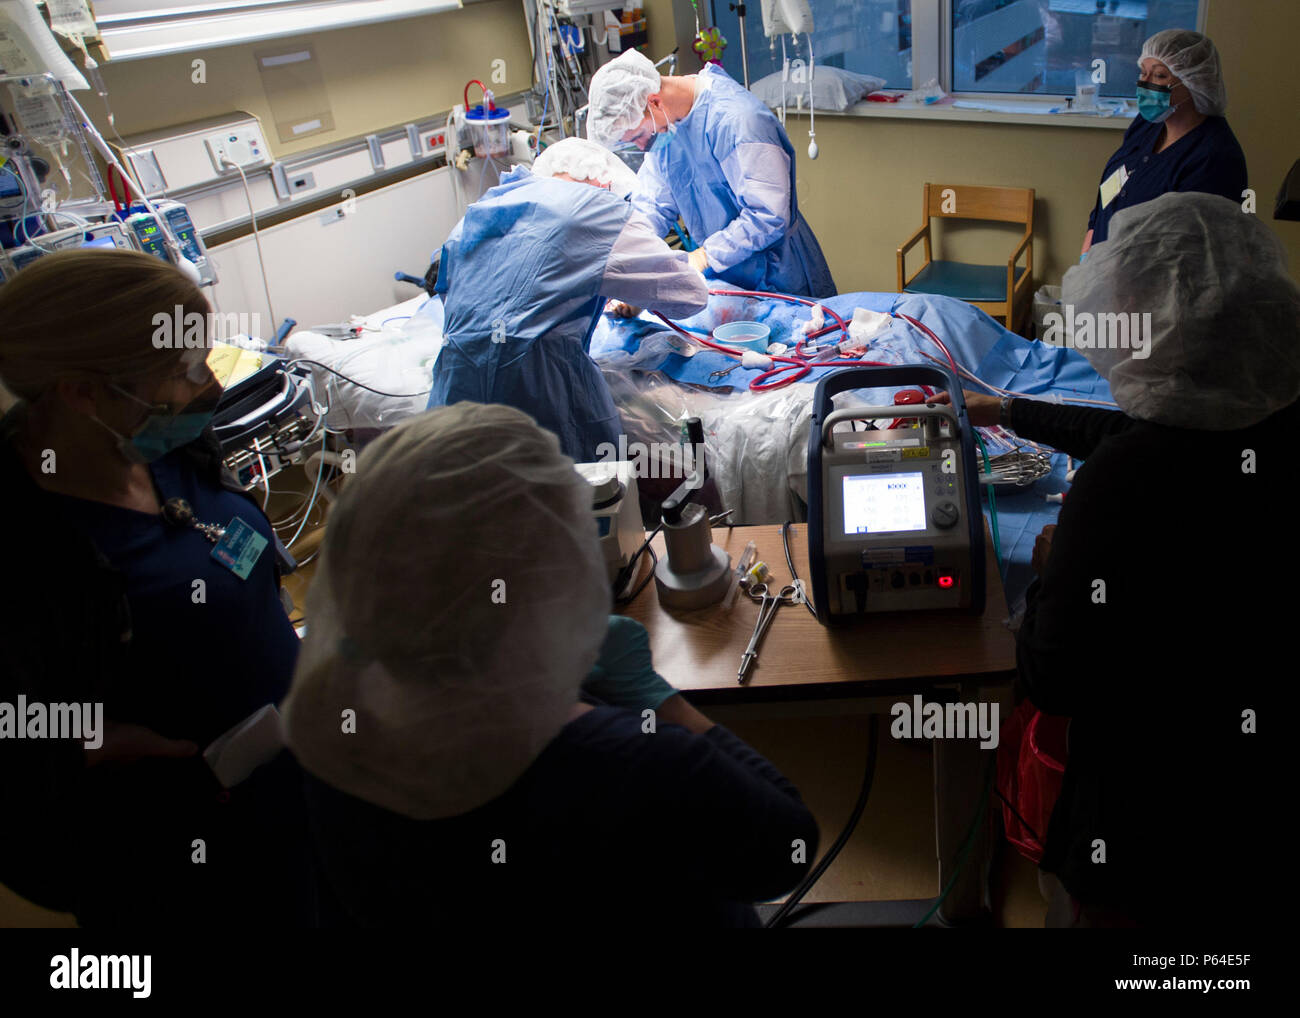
(100, 242)
(883, 503)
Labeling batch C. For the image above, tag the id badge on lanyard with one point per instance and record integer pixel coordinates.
(239, 548)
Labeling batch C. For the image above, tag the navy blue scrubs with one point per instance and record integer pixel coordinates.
(609, 829)
(1207, 159)
(197, 668)
(193, 671)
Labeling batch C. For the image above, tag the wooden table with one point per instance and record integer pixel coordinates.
(701, 649)
(946, 654)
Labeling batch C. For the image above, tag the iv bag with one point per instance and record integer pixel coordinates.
(27, 46)
(782, 17)
(39, 111)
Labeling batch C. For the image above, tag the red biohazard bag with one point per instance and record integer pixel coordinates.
(1031, 766)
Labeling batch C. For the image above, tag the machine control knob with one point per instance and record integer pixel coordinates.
(945, 515)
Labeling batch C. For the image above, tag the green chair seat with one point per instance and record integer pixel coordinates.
(965, 282)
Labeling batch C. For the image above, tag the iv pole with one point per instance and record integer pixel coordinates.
(744, 46)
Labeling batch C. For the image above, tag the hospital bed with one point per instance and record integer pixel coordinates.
(756, 442)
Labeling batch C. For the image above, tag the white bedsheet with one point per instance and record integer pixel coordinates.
(395, 355)
(756, 444)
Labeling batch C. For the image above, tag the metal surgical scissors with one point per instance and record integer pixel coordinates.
(768, 604)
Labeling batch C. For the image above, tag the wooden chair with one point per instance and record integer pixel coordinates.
(1003, 291)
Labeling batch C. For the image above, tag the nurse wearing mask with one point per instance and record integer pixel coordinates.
(113, 484)
(524, 277)
(1180, 140)
(720, 160)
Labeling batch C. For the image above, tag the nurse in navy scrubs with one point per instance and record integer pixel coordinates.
(1180, 140)
(122, 600)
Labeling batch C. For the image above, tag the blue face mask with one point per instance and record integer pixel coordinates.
(1153, 103)
(665, 137)
(161, 432)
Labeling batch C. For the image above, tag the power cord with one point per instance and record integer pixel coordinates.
(628, 572)
(868, 777)
(789, 562)
(257, 236)
(352, 381)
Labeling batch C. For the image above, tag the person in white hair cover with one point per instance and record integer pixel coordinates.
(1161, 619)
(484, 744)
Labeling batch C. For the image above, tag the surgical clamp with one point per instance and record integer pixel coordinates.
(768, 604)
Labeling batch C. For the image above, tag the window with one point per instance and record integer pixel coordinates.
(866, 36)
(977, 47)
(1046, 47)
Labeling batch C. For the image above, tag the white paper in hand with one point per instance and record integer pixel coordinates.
(256, 740)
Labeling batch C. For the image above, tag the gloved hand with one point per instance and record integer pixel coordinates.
(699, 259)
(623, 675)
(621, 309)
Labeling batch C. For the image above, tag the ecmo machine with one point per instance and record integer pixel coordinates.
(894, 519)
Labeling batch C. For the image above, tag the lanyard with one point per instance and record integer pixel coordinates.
(178, 513)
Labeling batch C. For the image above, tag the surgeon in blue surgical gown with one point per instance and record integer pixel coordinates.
(720, 160)
(524, 277)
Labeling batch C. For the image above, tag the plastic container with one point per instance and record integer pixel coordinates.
(1086, 90)
(489, 131)
(743, 336)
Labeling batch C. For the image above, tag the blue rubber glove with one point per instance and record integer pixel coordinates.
(623, 675)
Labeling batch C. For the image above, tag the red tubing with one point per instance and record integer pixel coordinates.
(799, 365)
(938, 342)
(487, 101)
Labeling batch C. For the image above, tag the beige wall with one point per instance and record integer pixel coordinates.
(377, 76)
(863, 194)
(1256, 41)
(660, 28)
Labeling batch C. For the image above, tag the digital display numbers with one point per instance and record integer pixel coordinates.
(884, 503)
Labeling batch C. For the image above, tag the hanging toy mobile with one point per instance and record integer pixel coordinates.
(709, 42)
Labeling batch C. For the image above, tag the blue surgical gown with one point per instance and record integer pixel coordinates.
(520, 278)
(728, 172)
(1207, 159)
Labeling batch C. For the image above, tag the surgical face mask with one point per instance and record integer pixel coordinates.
(1154, 102)
(163, 430)
(665, 137)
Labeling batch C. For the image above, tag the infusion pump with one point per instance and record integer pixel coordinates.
(894, 518)
(138, 232)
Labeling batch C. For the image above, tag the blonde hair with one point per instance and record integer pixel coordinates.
(89, 313)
